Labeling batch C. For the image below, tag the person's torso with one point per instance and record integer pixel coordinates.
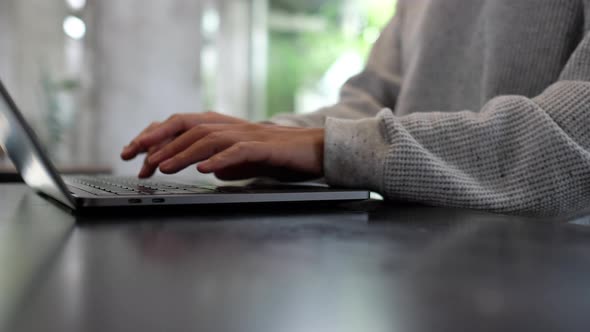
(458, 54)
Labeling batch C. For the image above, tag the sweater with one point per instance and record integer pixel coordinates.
(481, 104)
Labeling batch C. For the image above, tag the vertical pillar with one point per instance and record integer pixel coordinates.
(233, 46)
(242, 57)
(7, 54)
(259, 58)
(146, 66)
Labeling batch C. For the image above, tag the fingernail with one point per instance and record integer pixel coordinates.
(128, 148)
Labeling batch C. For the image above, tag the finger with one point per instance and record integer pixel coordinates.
(203, 149)
(132, 149)
(183, 142)
(149, 169)
(172, 127)
(241, 153)
(175, 125)
(166, 130)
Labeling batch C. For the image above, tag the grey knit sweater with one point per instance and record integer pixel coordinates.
(469, 103)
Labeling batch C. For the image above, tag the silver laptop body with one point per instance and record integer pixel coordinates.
(22, 146)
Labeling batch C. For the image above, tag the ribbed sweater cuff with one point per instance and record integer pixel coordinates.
(355, 152)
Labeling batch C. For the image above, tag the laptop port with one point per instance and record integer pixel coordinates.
(158, 200)
(135, 201)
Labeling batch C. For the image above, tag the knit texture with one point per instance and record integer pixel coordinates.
(476, 104)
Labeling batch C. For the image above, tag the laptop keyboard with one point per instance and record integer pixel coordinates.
(132, 186)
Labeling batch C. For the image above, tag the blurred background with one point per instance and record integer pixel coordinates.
(89, 74)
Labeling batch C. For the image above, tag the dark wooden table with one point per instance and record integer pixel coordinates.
(366, 267)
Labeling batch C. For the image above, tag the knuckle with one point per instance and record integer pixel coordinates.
(181, 157)
(215, 136)
(175, 117)
(242, 146)
(201, 128)
(140, 142)
(253, 126)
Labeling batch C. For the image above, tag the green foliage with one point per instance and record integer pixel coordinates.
(300, 6)
(297, 59)
(379, 12)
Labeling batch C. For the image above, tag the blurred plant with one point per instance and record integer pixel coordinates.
(58, 117)
(301, 57)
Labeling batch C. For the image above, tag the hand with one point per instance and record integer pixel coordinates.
(234, 151)
(157, 135)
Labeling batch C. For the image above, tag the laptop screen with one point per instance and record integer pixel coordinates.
(22, 146)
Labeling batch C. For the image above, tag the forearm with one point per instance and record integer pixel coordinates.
(517, 155)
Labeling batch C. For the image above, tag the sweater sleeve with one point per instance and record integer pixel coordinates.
(365, 94)
(517, 155)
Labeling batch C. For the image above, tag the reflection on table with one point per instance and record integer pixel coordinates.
(367, 266)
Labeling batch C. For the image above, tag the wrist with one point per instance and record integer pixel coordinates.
(354, 153)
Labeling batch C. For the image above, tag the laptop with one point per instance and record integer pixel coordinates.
(83, 192)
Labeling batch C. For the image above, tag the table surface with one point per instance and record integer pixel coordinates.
(367, 266)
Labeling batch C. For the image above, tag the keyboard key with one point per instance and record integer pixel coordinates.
(131, 186)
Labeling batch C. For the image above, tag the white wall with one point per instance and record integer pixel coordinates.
(30, 45)
(242, 56)
(7, 55)
(146, 67)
